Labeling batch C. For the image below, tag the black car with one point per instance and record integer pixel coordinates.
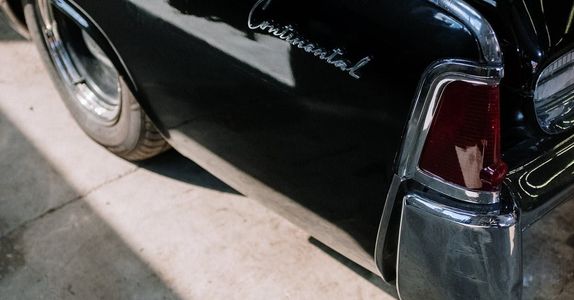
(419, 138)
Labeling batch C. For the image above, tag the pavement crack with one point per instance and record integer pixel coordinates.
(52, 210)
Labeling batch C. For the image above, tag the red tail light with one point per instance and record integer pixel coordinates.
(463, 144)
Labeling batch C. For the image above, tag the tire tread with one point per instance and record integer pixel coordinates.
(149, 144)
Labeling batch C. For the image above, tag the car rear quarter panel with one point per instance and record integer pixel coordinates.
(275, 122)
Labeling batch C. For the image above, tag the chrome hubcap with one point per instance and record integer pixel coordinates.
(87, 72)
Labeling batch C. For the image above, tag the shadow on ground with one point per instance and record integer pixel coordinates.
(174, 165)
(52, 245)
(366, 274)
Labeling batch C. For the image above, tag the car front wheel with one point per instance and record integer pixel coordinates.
(92, 88)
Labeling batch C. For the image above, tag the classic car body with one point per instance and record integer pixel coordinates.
(323, 109)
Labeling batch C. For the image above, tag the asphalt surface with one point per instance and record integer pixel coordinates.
(79, 223)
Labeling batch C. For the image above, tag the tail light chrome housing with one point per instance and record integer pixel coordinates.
(462, 159)
(463, 143)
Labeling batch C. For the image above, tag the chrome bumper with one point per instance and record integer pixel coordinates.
(453, 253)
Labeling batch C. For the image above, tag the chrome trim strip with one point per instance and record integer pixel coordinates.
(490, 71)
(435, 79)
(455, 191)
(13, 20)
(384, 224)
(459, 216)
(474, 21)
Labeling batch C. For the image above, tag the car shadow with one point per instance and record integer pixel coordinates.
(174, 165)
(49, 196)
(366, 274)
(52, 243)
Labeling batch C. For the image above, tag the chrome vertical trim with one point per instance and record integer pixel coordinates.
(489, 71)
(427, 96)
(475, 22)
(384, 225)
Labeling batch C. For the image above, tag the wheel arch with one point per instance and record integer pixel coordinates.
(82, 19)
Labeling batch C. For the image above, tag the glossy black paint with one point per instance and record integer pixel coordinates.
(532, 34)
(278, 123)
(287, 128)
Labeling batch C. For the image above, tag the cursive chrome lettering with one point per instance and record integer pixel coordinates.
(363, 62)
(288, 34)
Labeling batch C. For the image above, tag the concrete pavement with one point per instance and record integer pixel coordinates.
(79, 223)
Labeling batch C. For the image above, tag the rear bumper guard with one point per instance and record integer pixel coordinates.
(452, 253)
